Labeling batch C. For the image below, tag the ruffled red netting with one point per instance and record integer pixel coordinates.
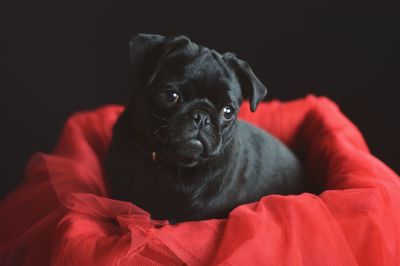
(61, 215)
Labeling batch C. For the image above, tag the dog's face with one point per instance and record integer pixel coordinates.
(186, 97)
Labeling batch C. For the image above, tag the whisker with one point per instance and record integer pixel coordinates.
(164, 142)
(159, 129)
(159, 117)
(156, 171)
(179, 172)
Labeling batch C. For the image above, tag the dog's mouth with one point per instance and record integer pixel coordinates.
(196, 143)
(185, 146)
(185, 153)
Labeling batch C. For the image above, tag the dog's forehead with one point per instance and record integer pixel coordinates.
(208, 63)
(211, 79)
(203, 74)
(208, 72)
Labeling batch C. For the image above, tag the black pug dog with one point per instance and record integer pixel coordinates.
(178, 150)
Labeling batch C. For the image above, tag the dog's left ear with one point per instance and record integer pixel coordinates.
(252, 87)
(149, 51)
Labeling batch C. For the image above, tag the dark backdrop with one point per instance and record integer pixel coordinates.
(58, 58)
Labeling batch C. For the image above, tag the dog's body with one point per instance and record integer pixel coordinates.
(178, 150)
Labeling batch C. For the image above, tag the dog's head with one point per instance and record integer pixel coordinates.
(186, 97)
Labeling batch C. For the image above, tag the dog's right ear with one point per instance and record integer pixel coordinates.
(149, 51)
(252, 87)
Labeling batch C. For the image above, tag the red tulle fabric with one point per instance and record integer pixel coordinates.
(61, 215)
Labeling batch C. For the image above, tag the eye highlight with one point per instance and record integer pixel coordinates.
(227, 112)
(170, 96)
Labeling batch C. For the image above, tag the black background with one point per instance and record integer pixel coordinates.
(60, 57)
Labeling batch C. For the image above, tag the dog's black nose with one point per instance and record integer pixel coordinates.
(201, 118)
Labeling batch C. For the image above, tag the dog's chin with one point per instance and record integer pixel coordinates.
(187, 153)
(187, 162)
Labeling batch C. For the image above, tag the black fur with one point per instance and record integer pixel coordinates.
(205, 165)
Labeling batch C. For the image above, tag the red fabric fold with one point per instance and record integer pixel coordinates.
(61, 215)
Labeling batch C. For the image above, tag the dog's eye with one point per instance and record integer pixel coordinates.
(170, 97)
(227, 112)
